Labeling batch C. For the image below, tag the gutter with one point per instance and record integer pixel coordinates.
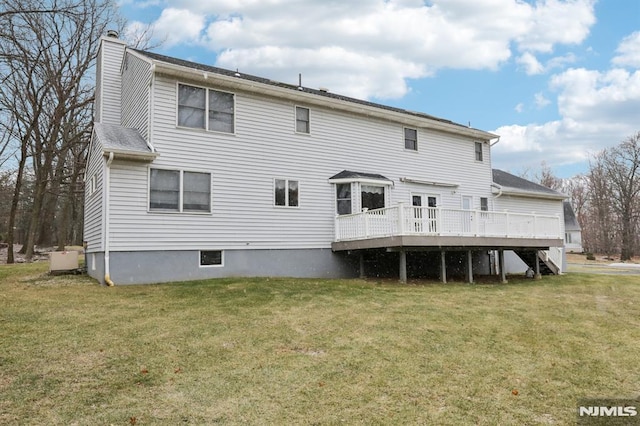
(107, 178)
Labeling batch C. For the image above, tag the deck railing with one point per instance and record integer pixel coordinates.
(435, 221)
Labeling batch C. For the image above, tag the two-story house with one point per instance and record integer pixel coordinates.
(198, 172)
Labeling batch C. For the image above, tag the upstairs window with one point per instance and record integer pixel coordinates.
(286, 193)
(179, 191)
(484, 204)
(207, 109)
(302, 120)
(478, 151)
(410, 139)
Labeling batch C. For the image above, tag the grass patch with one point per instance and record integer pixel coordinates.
(275, 351)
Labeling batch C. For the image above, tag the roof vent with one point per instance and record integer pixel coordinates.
(323, 89)
(112, 33)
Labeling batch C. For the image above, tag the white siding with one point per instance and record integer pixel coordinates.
(93, 217)
(108, 81)
(531, 205)
(136, 77)
(265, 147)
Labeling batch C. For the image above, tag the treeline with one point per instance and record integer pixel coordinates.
(606, 199)
(48, 50)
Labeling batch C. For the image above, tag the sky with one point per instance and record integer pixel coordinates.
(557, 80)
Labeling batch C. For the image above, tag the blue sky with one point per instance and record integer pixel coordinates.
(558, 80)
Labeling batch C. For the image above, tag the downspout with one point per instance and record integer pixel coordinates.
(107, 276)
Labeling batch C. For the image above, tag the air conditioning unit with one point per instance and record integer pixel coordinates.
(61, 261)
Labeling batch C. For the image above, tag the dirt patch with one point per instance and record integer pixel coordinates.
(600, 259)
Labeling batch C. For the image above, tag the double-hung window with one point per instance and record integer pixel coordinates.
(372, 197)
(478, 151)
(410, 139)
(302, 120)
(286, 193)
(343, 198)
(179, 191)
(207, 109)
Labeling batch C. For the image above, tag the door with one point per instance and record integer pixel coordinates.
(467, 214)
(424, 219)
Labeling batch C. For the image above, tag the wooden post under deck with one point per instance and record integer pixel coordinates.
(443, 267)
(469, 267)
(503, 273)
(362, 272)
(538, 275)
(403, 265)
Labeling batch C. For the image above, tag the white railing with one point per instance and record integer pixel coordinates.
(436, 221)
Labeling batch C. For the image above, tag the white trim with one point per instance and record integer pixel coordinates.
(431, 183)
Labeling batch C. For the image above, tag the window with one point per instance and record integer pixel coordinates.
(208, 109)
(302, 120)
(478, 151)
(410, 139)
(286, 193)
(343, 198)
(372, 197)
(567, 237)
(211, 258)
(179, 191)
(484, 204)
(93, 184)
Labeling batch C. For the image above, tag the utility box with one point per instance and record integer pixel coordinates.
(61, 261)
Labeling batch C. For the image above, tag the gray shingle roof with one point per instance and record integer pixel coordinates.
(509, 181)
(230, 73)
(570, 220)
(347, 174)
(119, 138)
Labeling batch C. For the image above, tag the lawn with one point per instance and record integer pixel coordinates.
(300, 351)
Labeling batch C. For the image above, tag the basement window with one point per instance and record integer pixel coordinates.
(211, 258)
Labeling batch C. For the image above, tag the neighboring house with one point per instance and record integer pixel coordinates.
(198, 172)
(518, 195)
(572, 230)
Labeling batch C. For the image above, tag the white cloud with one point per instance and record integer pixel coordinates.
(628, 51)
(376, 38)
(179, 26)
(541, 101)
(519, 108)
(597, 108)
(530, 63)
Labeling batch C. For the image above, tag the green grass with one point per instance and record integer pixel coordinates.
(294, 351)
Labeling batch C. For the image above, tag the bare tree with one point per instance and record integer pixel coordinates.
(621, 164)
(45, 59)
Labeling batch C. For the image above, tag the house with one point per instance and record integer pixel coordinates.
(518, 195)
(197, 172)
(572, 230)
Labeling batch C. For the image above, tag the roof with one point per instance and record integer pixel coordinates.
(570, 220)
(514, 185)
(348, 175)
(300, 89)
(123, 142)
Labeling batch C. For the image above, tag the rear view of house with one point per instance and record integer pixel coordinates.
(199, 172)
